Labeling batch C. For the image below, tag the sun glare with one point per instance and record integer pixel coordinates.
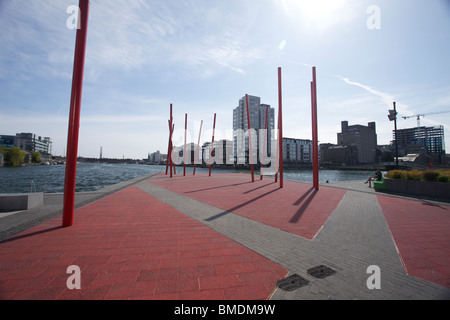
(317, 14)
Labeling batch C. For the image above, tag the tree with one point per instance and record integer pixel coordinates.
(36, 157)
(13, 156)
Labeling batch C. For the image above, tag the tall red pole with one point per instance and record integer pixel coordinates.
(250, 149)
(280, 128)
(74, 116)
(172, 165)
(169, 152)
(264, 144)
(315, 131)
(212, 145)
(184, 150)
(168, 144)
(198, 147)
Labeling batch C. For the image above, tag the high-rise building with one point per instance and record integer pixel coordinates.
(422, 140)
(257, 115)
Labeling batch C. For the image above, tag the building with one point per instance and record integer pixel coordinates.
(257, 114)
(155, 157)
(7, 141)
(222, 154)
(362, 139)
(428, 141)
(33, 143)
(297, 151)
(29, 143)
(336, 155)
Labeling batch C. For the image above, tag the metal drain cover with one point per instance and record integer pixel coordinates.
(292, 282)
(321, 272)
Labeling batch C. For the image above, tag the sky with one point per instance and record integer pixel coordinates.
(202, 56)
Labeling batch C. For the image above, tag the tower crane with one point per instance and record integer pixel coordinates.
(423, 115)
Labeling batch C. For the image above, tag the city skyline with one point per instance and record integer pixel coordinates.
(203, 56)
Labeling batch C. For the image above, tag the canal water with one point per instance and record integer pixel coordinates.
(94, 176)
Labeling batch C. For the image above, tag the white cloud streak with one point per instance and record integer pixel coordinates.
(387, 98)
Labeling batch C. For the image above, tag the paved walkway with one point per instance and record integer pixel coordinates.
(223, 237)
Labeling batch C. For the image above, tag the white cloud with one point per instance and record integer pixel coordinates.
(387, 98)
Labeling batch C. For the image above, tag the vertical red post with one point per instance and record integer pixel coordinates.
(169, 152)
(264, 144)
(250, 149)
(280, 128)
(172, 165)
(184, 150)
(212, 145)
(315, 139)
(74, 116)
(198, 147)
(170, 139)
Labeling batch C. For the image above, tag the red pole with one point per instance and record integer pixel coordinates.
(168, 144)
(184, 150)
(212, 145)
(198, 146)
(264, 145)
(74, 116)
(280, 125)
(315, 131)
(277, 153)
(169, 152)
(250, 149)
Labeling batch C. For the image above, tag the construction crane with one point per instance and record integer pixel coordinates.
(423, 115)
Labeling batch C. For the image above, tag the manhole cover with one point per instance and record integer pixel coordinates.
(292, 282)
(321, 272)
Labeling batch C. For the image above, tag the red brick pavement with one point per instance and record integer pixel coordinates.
(297, 208)
(132, 246)
(421, 232)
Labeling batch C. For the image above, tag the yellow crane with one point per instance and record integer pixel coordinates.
(423, 115)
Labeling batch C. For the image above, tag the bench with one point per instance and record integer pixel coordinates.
(379, 184)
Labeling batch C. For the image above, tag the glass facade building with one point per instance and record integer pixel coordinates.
(257, 115)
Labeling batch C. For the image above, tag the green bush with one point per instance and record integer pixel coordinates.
(414, 175)
(430, 175)
(36, 157)
(440, 175)
(396, 174)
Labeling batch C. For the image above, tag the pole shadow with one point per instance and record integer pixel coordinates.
(312, 193)
(260, 187)
(31, 234)
(225, 212)
(219, 187)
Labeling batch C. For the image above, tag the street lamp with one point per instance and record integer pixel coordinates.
(393, 117)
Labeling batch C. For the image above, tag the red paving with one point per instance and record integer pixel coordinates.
(132, 246)
(297, 208)
(421, 232)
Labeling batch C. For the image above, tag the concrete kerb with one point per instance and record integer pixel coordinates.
(53, 207)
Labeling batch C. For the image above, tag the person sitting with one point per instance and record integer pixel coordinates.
(377, 176)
